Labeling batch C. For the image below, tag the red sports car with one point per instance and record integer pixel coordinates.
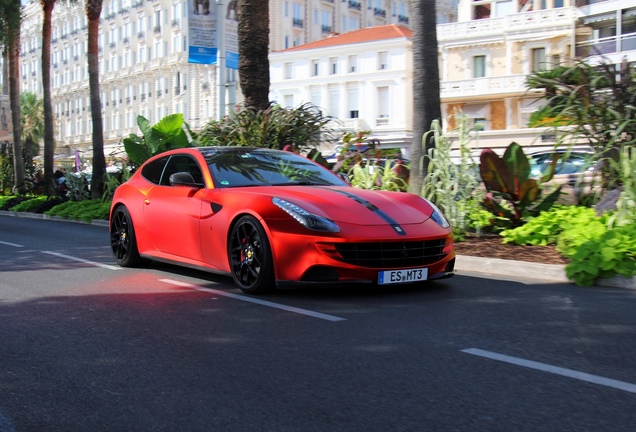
(274, 218)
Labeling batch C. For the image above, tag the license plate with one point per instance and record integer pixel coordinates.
(402, 276)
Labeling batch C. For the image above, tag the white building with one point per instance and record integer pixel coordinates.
(484, 59)
(362, 77)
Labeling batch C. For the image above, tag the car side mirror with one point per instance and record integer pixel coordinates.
(183, 179)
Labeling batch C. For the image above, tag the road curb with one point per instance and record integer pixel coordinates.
(526, 270)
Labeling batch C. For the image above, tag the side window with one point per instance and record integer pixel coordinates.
(182, 163)
(152, 171)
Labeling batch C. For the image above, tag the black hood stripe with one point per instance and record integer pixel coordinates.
(388, 219)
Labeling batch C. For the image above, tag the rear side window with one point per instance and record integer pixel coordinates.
(152, 171)
(182, 163)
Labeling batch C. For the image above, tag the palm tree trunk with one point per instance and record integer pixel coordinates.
(426, 100)
(253, 44)
(93, 11)
(49, 143)
(14, 101)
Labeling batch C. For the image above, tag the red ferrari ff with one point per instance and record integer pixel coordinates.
(274, 218)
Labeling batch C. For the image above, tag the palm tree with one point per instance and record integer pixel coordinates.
(10, 20)
(93, 11)
(253, 44)
(426, 100)
(32, 122)
(49, 143)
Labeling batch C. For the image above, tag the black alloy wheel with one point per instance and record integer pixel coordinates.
(122, 238)
(251, 257)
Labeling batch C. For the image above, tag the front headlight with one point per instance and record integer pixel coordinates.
(438, 216)
(307, 219)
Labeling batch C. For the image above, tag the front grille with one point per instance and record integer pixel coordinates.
(392, 254)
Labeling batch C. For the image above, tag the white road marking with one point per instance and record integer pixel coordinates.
(82, 260)
(11, 244)
(257, 301)
(570, 373)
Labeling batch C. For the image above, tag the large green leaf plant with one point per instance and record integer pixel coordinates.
(171, 132)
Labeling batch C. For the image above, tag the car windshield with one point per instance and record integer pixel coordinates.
(575, 163)
(265, 167)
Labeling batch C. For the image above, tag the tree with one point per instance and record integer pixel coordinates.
(32, 122)
(426, 100)
(253, 44)
(49, 143)
(597, 105)
(93, 11)
(10, 20)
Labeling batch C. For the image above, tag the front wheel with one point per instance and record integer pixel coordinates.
(250, 257)
(122, 238)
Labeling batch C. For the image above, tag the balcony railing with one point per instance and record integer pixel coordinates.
(517, 23)
(508, 84)
(379, 12)
(355, 5)
(608, 45)
(298, 22)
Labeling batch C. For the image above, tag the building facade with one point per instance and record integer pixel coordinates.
(362, 78)
(487, 48)
(484, 61)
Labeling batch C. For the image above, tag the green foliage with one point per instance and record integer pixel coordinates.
(605, 255)
(81, 210)
(508, 180)
(598, 102)
(453, 187)
(10, 201)
(594, 249)
(304, 128)
(625, 168)
(546, 228)
(171, 132)
(6, 168)
(78, 186)
(374, 176)
(38, 204)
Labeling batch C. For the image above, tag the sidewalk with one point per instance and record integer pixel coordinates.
(464, 265)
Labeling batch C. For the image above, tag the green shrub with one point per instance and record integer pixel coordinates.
(453, 185)
(86, 211)
(604, 256)
(11, 201)
(546, 228)
(594, 250)
(38, 204)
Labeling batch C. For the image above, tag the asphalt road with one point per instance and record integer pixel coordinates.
(87, 346)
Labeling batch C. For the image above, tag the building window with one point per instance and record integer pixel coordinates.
(314, 68)
(288, 70)
(538, 59)
(383, 106)
(289, 101)
(333, 66)
(479, 66)
(383, 60)
(353, 95)
(353, 63)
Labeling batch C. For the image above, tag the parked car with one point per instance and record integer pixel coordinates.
(574, 171)
(274, 218)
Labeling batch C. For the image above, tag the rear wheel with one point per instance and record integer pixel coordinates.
(122, 238)
(251, 257)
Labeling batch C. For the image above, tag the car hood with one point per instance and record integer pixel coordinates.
(357, 206)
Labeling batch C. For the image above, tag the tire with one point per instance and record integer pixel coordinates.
(122, 239)
(250, 257)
